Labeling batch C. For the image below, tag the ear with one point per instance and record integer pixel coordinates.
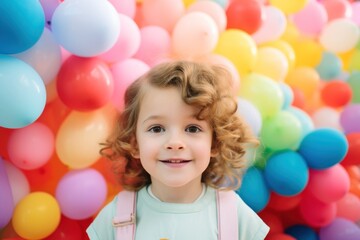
(135, 151)
(214, 152)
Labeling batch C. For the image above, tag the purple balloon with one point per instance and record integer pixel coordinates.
(340, 229)
(6, 198)
(350, 118)
(81, 193)
(49, 7)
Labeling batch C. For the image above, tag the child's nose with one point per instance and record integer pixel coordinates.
(175, 143)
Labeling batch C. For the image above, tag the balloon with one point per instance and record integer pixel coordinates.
(281, 131)
(339, 88)
(21, 25)
(19, 184)
(271, 62)
(127, 44)
(84, 84)
(32, 146)
(349, 118)
(95, 26)
(305, 79)
(286, 173)
(288, 95)
(253, 189)
(354, 84)
(273, 221)
(346, 33)
(49, 7)
(348, 207)
(263, 92)
(325, 212)
(162, 13)
(280, 236)
(154, 46)
(355, 6)
(354, 61)
(194, 34)
(246, 15)
(125, 72)
(307, 124)
(308, 52)
(285, 48)
(334, 176)
(330, 66)
(81, 193)
(337, 9)
(239, 48)
(314, 11)
(213, 9)
(7, 202)
(68, 229)
(289, 7)
(352, 156)
(250, 114)
(126, 7)
(283, 203)
(323, 148)
(22, 93)
(326, 117)
(77, 141)
(340, 229)
(44, 56)
(36, 216)
(302, 232)
(273, 27)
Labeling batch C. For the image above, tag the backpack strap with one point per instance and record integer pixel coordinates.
(125, 217)
(227, 215)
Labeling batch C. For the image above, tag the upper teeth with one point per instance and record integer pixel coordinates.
(175, 161)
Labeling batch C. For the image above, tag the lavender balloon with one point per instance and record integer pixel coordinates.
(6, 199)
(340, 229)
(350, 118)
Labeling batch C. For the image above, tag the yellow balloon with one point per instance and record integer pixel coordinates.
(308, 52)
(285, 48)
(346, 58)
(239, 48)
(188, 2)
(36, 216)
(305, 79)
(291, 33)
(289, 6)
(271, 62)
(354, 63)
(79, 136)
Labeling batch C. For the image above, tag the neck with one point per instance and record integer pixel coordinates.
(183, 194)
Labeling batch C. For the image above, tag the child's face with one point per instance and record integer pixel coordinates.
(173, 146)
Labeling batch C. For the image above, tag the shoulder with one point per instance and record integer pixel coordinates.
(251, 226)
(101, 227)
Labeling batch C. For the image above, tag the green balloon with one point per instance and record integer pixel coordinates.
(354, 82)
(281, 131)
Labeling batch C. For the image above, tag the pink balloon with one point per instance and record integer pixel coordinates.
(19, 184)
(126, 7)
(349, 207)
(81, 193)
(155, 44)
(214, 10)
(329, 185)
(32, 146)
(337, 9)
(195, 34)
(125, 73)
(163, 13)
(311, 19)
(127, 44)
(355, 6)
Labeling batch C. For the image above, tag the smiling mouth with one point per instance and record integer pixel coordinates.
(175, 161)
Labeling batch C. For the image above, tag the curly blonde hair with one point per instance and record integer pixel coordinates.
(206, 87)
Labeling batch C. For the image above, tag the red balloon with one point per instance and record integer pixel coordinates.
(352, 157)
(84, 84)
(336, 93)
(280, 236)
(68, 229)
(283, 203)
(246, 15)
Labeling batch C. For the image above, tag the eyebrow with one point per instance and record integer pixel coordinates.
(156, 117)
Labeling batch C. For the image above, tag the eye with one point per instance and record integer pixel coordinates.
(193, 129)
(156, 129)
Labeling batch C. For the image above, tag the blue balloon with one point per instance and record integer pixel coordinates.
(329, 67)
(21, 25)
(302, 232)
(323, 148)
(286, 173)
(254, 190)
(22, 93)
(288, 95)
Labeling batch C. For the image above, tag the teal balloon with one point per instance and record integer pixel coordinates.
(330, 66)
(22, 93)
(254, 190)
(21, 25)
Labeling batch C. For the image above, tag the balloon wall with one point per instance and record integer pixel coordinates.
(64, 67)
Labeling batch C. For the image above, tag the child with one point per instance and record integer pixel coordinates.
(178, 142)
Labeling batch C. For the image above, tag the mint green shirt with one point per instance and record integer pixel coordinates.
(174, 221)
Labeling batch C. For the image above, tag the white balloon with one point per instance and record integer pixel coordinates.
(250, 114)
(86, 28)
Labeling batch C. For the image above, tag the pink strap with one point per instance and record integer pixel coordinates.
(125, 218)
(227, 215)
